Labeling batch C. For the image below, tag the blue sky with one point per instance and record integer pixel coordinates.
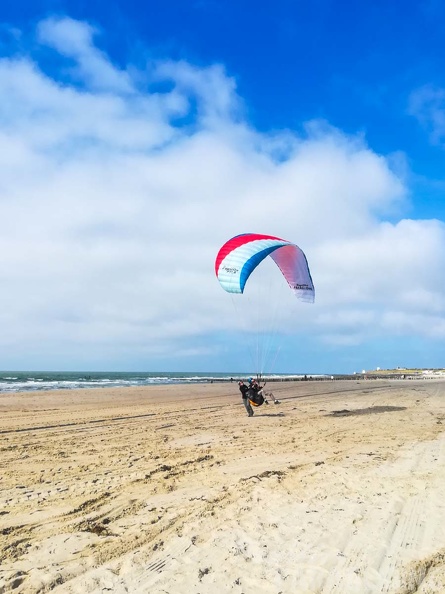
(137, 137)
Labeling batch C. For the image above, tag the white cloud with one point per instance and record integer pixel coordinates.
(114, 201)
(218, 102)
(74, 40)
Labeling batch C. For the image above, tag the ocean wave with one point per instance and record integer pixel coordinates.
(41, 381)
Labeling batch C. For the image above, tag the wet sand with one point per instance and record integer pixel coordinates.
(338, 489)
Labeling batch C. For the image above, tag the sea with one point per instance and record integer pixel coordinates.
(31, 381)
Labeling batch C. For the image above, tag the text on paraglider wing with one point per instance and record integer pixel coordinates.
(230, 270)
(304, 287)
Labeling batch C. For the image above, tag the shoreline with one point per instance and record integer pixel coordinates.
(48, 381)
(173, 488)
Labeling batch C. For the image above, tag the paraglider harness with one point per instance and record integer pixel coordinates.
(253, 395)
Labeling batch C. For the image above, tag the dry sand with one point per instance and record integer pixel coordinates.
(175, 490)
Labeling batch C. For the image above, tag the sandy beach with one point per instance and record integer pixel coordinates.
(173, 489)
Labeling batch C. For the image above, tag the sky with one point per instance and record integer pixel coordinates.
(137, 137)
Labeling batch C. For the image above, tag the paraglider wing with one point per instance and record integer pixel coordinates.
(239, 257)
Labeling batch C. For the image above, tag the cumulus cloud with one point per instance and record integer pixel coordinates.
(218, 102)
(115, 198)
(75, 40)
